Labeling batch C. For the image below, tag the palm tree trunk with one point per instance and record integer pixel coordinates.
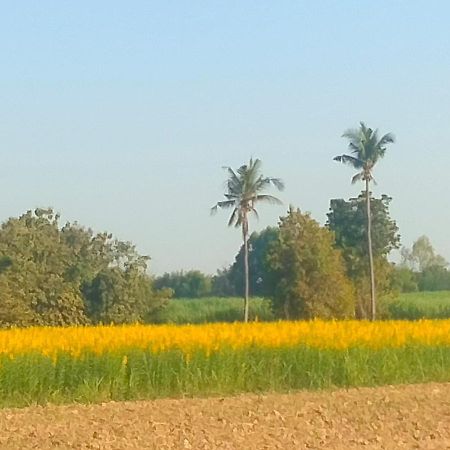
(369, 244)
(246, 271)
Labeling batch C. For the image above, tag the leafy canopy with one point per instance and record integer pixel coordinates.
(309, 273)
(52, 275)
(366, 149)
(347, 219)
(244, 189)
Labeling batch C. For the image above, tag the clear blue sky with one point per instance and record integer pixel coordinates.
(121, 114)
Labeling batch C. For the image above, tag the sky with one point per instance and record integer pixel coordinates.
(121, 115)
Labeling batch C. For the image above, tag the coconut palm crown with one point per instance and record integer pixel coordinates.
(366, 150)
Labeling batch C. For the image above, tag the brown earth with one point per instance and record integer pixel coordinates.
(408, 417)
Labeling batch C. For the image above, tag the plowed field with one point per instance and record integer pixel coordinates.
(409, 417)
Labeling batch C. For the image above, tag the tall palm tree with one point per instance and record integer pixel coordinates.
(366, 150)
(245, 188)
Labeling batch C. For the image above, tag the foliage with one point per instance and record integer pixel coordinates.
(434, 278)
(190, 284)
(404, 279)
(261, 279)
(245, 188)
(222, 285)
(309, 273)
(211, 310)
(117, 363)
(422, 256)
(323, 334)
(366, 148)
(140, 374)
(419, 305)
(347, 219)
(58, 276)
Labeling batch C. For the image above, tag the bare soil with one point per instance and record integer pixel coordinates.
(394, 417)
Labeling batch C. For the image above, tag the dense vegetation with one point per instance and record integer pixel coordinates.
(212, 310)
(53, 275)
(406, 306)
(61, 275)
(348, 221)
(419, 305)
(129, 362)
(69, 275)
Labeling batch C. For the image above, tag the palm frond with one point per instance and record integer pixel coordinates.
(231, 196)
(352, 134)
(232, 217)
(262, 182)
(355, 147)
(357, 177)
(231, 173)
(255, 164)
(223, 204)
(255, 212)
(388, 138)
(350, 160)
(278, 183)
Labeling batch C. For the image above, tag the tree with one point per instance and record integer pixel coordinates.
(434, 278)
(348, 221)
(222, 285)
(261, 281)
(56, 276)
(404, 279)
(309, 272)
(245, 189)
(366, 150)
(190, 284)
(422, 256)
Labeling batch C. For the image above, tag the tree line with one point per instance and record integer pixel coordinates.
(307, 269)
(53, 274)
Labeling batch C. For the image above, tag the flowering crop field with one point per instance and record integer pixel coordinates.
(141, 361)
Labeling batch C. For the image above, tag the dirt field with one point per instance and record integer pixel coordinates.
(383, 418)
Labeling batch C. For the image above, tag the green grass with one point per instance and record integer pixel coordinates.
(420, 305)
(213, 309)
(411, 306)
(31, 379)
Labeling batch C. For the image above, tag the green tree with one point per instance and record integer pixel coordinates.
(422, 256)
(245, 189)
(48, 274)
(434, 278)
(366, 148)
(347, 219)
(309, 272)
(36, 277)
(261, 282)
(190, 284)
(222, 284)
(404, 279)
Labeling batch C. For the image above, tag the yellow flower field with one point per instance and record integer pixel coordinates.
(336, 335)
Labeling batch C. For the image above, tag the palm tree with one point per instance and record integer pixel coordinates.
(244, 190)
(366, 150)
